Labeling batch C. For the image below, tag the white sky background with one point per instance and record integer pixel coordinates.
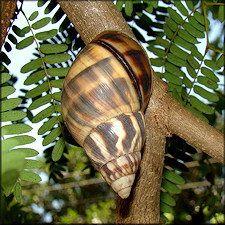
(21, 57)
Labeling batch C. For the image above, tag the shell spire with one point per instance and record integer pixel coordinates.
(104, 96)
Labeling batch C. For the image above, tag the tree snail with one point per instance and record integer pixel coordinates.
(104, 96)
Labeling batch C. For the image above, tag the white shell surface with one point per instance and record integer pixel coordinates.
(123, 185)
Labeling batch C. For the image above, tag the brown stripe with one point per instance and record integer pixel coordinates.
(141, 125)
(94, 149)
(126, 65)
(109, 137)
(129, 130)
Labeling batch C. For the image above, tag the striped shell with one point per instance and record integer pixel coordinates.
(103, 99)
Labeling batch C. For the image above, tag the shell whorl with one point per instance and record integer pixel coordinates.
(104, 95)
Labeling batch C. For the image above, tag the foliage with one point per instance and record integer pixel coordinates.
(175, 30)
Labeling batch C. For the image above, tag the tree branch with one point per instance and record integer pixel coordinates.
(7, 11)
(164, 116)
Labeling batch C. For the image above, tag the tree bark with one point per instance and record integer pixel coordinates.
(164, 117)
(7, 11)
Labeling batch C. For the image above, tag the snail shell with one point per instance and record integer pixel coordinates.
(104, 96)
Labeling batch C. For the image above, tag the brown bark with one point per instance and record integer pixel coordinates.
(7, 11)
(164, 116)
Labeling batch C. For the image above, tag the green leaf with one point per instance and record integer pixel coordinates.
(187, 82)
(37, 90)
(190, 5)
(26, 29)
(28, 152)
(18, 192)
(168, 31)
(57, 96)
(57, 83)
(191, 70)
(209, 73)
(193, 31)
(40, 101)
(171, 24)
(45, 113)
(173, 177)
(7, 46)
(32, 164)
(12, 161)
(174, 15)
(41, 23)
(30, 176)
(220, 61)
(57, 58)
(12, 38)
(166, 198)
(58, 149)
(181, 42)
(173, 87)
(4, 77)
(162, 216)
(25, 42)
(172, 188)
(17, 31)
(173, 69)
(41, 2)
(6, 91)
(50, 7)
(196, 53)
(34, 77)
(172, 78)
(187, 37)
(157, 62)
(159, 52)
(176, 60)
(17, 140)
(174, 93)
(221, 13)
(164, 43)
(12, 115)
(193, 62)
(128, 7)
(202, 107)
(46, 34)
(48, 125)
(196, 24)
(149, 9)
(119, 5)
(34, 64)
(165, 208)
(33, 16)
(60, 72)
(51, 136)
(212, 64)
(181, 8)
(7, 183)
(199, 17)
(18, 128)
(207, 82)
(11, 103)
(53, 48)
(178, 52)
(197, 113)
(213, 97)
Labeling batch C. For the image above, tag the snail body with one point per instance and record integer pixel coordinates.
(104, 96)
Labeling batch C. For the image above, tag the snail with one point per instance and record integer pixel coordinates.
(104, 96)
